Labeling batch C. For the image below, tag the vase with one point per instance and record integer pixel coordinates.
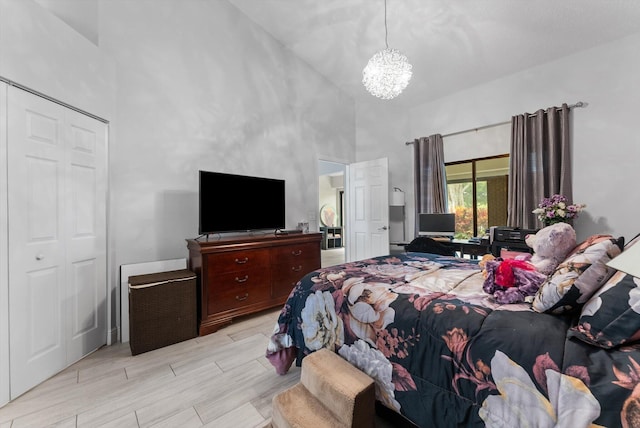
(550, 221)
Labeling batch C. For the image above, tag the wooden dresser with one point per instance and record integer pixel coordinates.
(246, 274)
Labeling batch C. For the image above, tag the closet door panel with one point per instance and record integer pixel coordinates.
(37, 251)
(86, 234)
(41, 194)
(85, 318)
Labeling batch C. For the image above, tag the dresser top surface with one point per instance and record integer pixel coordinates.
(255, 240)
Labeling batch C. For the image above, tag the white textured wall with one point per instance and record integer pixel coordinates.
(606, 141)
(185, 85)
(199, 86)
(41, 52)
(381, 131)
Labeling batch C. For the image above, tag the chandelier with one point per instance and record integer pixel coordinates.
(388, 72)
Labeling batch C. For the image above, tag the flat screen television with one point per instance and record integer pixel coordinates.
(234, 203)
(443, 225)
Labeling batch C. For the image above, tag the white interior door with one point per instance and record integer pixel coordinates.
(57, 243)
(368, 209)
(85, 234)
(36, 257)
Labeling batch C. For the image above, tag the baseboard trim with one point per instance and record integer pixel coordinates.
(113, 335)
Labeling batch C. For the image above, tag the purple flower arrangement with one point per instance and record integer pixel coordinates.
(557, 209)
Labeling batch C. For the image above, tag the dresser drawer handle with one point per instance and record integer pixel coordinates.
(241, 298)
(296, 253)
(296, 269)
(246, 277)
(243, 261)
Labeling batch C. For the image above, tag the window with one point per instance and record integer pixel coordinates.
(477, 194)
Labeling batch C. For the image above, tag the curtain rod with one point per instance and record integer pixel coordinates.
(579, 104)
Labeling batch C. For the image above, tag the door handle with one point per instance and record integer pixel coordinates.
(40, 257)
(383, 228)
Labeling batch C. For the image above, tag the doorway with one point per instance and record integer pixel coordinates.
(332, 211)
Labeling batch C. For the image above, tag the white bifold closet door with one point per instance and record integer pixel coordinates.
(57, 237)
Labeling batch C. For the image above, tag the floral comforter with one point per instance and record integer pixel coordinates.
(444, 353)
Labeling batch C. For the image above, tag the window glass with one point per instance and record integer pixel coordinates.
(477, 194)
(460, 197)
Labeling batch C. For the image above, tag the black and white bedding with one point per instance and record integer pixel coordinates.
(444, 353)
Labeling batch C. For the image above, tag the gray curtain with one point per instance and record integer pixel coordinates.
(429, 176)
(540, 163)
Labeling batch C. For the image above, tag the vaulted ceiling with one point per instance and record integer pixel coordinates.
(452, 44)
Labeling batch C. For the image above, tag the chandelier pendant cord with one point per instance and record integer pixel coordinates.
(386, 31)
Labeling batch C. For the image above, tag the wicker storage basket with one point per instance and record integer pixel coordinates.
(162, 309)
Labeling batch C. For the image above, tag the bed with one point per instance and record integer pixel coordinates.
(444, 353)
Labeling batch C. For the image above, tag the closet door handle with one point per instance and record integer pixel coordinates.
(240, 280)
(243, 261)
(241, 298)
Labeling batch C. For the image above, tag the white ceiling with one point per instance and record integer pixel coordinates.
(452, 44)
(80, 15)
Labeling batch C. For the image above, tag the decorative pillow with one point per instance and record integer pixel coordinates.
(612, 316)
(579, 276)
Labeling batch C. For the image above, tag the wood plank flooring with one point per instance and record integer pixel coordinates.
(219, 380)
(332, 257)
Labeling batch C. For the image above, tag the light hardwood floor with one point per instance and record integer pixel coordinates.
(219, 380)
(332, 257)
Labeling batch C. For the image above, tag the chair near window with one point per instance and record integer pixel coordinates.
(424, 244)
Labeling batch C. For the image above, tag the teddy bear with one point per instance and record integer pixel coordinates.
(483, 263)
(550, 246)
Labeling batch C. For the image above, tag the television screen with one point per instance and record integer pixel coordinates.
(233, 203)
(437, 224)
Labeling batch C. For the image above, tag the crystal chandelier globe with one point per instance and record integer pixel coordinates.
(388, 72)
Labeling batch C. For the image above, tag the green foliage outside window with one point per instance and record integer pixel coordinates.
(460, 199)
(464, 221)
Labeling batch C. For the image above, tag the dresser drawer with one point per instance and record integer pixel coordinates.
(285, 276)
(236, 289)
(295, 253)
(234, 261)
